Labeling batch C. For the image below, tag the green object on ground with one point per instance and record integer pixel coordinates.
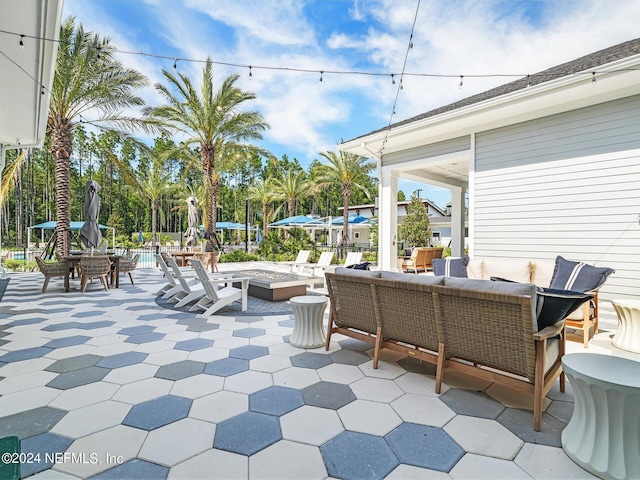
(9, 458)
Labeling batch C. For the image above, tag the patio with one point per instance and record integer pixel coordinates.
(122, 385)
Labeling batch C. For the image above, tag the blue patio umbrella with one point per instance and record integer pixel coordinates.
(353, 219)
(292, 221)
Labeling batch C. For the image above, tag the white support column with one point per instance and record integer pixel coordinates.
(3, 271)
(457, 221)
(388, 220)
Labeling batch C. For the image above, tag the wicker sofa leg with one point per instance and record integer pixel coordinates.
(440, 367)
(329, 330)
(378, 346)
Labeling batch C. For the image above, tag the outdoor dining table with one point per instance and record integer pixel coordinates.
(74, 260)
(183, 257)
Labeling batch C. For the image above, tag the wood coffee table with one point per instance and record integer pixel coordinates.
(276, 286)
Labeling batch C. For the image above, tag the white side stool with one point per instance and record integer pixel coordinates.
(627, 336)
(602, 435)
(308, 313)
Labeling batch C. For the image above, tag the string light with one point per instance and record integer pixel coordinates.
(393, 80)
(593, 78)
(528, 81)
(321, 72)
(545, 75)
(22, 42)
(461, 81)
(400, 86)
(175, 63)
(250, 74)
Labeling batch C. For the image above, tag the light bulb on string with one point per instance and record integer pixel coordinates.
(250, 72)
(22, 42)
(461, 81)
(321, 72)
(593, 78)
(401, 86)
(393, 80)
(175, 63)
(528, 81)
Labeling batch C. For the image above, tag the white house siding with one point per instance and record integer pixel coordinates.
(568, 185)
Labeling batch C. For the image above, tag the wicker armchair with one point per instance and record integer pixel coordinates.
(97, 266)
(208, 259)
(128, 265)
(56, 269)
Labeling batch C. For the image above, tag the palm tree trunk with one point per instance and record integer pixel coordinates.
(264, 218)
(61, 147)
(344, 241)
(208, 167)
(154, 222)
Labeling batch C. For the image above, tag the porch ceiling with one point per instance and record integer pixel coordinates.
(444, 172)
(26, 69)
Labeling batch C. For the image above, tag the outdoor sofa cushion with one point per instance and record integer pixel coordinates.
(407, 277)
(450, 267)
(578, 276)
(512, 288)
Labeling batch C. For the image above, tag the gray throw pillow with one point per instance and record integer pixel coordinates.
(578, 276)
(450, 267)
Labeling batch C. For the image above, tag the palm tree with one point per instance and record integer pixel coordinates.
(349, 171)
(263, 191)
(87, 78)
(292, 185)
(152, 185)
(212, 121)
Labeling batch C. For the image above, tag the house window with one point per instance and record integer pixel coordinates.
(356, 235)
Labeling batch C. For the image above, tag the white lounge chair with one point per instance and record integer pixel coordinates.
(173, 286)
(186, 294)
(318, 269)
(353, 258)
(165, 270)
(298, 264)
(214, 298)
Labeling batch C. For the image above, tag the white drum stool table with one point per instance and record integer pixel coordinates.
(627, 336)
(602, 435)
(308, 312)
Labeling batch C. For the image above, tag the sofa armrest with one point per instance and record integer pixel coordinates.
(549, 332)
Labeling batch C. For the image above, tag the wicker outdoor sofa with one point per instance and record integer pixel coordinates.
(484, 328)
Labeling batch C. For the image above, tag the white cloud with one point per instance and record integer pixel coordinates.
(454, 37)
(280, 22)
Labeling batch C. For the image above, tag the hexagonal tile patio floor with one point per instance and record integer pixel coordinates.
(118, 384)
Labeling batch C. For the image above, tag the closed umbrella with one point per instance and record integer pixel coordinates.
(192, 233)
(90, 232)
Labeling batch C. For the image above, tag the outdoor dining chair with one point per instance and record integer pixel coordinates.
(97, 266)
(128, 265)
(56, 269)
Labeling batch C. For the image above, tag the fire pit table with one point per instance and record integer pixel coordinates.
(275, 286)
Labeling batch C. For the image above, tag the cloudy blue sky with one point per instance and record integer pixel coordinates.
(451, 37)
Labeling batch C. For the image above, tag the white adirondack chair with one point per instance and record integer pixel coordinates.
(187, 294)
(353, 258)
(298, 264)
(318, 269)
(172, 286)
(214, 298)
